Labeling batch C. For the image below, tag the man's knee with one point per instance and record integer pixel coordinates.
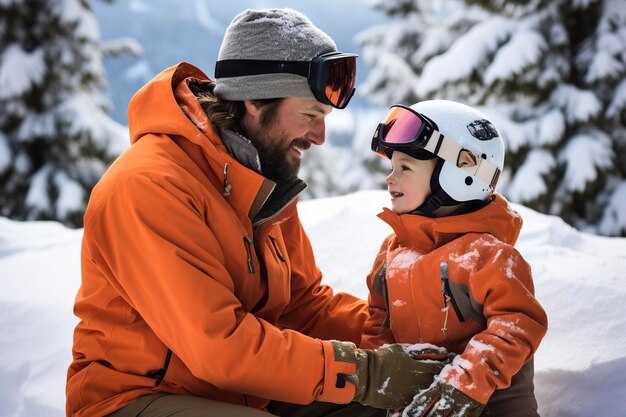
(169, 405)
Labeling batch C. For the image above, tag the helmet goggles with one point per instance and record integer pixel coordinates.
(331, 76)
(408, 131)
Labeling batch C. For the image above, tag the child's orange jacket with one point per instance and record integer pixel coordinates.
(491, 317)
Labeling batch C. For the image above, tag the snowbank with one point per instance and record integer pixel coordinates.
(580, 279)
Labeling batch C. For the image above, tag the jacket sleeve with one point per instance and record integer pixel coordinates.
(516, 324)
(377, 330)
(151, 242)
(315, 309)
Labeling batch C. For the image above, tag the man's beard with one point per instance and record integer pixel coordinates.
(273, 148)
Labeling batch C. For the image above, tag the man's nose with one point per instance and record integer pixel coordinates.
(318, 132)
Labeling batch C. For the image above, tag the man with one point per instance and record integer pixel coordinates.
(200, 295)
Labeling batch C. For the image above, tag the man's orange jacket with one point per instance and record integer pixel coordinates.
(195, 280)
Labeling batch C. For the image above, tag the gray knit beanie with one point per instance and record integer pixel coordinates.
(270, 34)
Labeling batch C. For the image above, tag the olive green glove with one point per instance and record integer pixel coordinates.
(388, 377)
(443, 400)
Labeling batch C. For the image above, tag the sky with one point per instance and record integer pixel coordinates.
(579, 279)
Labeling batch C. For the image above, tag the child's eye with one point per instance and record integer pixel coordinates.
(405, 168)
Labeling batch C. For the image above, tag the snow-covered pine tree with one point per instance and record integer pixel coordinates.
(56, 138)
(550, 74)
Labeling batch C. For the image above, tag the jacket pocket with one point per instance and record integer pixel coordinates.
(459, 296)
(380, 285)
(159, 374)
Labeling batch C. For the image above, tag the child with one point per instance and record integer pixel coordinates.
(449, 275)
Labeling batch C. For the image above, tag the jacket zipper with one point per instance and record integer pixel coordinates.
(280, 255)
(248, 243)
(447, 292)
(383, 276)
(258, 223)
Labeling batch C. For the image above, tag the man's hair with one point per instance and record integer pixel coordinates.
(225, 114)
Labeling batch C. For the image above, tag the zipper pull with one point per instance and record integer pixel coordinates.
(443, 272)
(248, 243)
(227, 187)
(280, 255)
(448, 296)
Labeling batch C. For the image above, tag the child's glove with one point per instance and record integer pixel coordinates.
(443, 400)
(389, 376)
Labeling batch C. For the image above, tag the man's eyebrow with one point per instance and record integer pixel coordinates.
(320, 110)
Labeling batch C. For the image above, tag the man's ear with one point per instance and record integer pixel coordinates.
(252, 110)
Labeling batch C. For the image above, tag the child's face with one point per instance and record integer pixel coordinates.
(409, 182)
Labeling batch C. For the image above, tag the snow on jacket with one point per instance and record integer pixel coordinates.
(493, 320)
(196, 277)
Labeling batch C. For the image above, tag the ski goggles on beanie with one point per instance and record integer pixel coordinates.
(331, 76)
(407, 131)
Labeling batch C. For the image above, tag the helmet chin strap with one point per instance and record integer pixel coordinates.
(438, 198)
(440, 204)
(434, 205)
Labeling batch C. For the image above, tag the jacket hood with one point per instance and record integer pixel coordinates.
(166, 106)
(496, 218)
(156, 107)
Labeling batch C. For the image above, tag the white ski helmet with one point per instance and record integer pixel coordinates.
(473, 132)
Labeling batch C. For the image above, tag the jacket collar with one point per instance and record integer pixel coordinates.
(426, 234)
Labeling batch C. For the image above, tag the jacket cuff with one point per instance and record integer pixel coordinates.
(336, 387)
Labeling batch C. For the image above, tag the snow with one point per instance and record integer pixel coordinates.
(523, 50)
(528, 183)
(122, 46)
(578, 105)
(19, 70)
(464, 55)
(83, 113)
(37, 195)
(582, 156)
(603, 65)
(579, 279)
(551, 127)
(72, 11)
(71, 194)
(402, 261)
(614, 217)
(290, 24)
(384, 386)
(466, 260)
(5, 153)
(479, 347)
(618, 101)
(40, 124)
